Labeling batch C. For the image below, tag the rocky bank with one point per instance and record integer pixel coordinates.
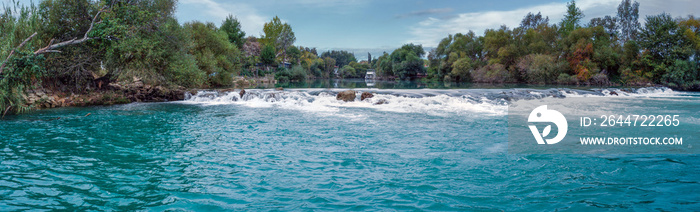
(114, 93)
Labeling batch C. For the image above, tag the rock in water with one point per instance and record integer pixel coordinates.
(366, 95)
(242, 92)
(381, 102)
(347, 96)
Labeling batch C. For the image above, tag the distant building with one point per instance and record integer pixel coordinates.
(370, 74)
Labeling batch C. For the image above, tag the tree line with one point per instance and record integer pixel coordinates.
(605, 51)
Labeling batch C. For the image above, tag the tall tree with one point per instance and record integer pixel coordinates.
(571, 20)
(278, 35)
(532, 21)
(664, 43)
(215, 55)
(232, 27)
(608, 23)
(628, 16)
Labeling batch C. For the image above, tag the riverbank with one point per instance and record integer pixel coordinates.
(127, 92)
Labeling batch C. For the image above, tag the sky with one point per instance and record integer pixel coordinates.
(377, 26)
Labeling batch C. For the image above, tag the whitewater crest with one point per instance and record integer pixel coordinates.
(428, 101)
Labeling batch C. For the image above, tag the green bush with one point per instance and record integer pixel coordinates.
(538, 68)
(565, 78)
(494, 73)
(683, 75)
(296, 74)
(347, 72)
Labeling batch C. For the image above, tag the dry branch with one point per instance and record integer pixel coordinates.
(51, 46)
(13, 51)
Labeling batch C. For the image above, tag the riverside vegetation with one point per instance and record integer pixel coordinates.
(136, 50)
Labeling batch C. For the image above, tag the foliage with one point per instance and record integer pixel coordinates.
(24, 69)
(142, 39)
(628, 16)
(267, 55)
(571, 20)
(664, 43)
(493, 73)
(360, 69)
(294, 55)
(608, 23)
(406, 62)
(539, 68)
(453, 48)
(232, 27)
(278, 35)
(532, 21)
(342, 57)
(347, 72)
(215, 55)
(296, 74)
(19, 74)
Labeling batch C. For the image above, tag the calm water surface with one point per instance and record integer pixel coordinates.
(303, 150)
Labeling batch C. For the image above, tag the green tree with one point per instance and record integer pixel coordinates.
(329, 66)
(347, 72)
(608, 23)
(278, 35)
(216, 56)
(342, 57)
(267, 55)
(571, 20)
(384, 66)
(294, 55)
(143, 39)
(406, 61)
(21, 70)
(628, 16)
(232, 27)
(664, 42)
(532, 21)
(75, 67)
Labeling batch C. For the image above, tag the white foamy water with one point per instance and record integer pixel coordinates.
(426, 101)
(325, 101)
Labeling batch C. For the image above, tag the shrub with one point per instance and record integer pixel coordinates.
(493, 73)
(567, 79)
(683, 74)
(347, 72)
(461, 69)
(538, 68)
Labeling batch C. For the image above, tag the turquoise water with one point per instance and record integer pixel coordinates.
(303, 150)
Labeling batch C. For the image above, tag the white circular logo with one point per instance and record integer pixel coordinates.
(542, 115)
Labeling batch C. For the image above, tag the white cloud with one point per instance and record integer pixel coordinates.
(251, 22)
(431, 30)
(327, 3)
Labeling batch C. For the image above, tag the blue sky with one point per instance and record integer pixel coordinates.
(375, 26)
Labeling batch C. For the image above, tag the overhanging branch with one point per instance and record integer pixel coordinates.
(13, 51)
(50, 48)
